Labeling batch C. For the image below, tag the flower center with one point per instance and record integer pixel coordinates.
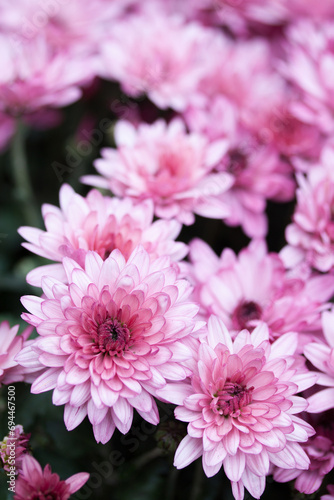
(237, 162)
(244, 313)
(231, 399)
(112, 336)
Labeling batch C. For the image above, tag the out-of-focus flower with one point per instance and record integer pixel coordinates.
(254, 286)
(35, 76)
(35, 482)
(110, 338)
(13, 448)
(330, 489)
(311, 235)
(321, 356)
(101, 224)
(10, 345)
(241, 407)
(310, 66)
(164, 163)
(172, 59)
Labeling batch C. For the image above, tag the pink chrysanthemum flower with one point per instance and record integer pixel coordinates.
(241, 407)
(34, 483)
(321, 356)
(320, 450)
(254, 286)
(110, 338)
(13, 448)
(10, 345)
(164, 163)
(259, 175)
(173, 57)
(311, 235)
(309, 66)
(51, 78)
(101, 224)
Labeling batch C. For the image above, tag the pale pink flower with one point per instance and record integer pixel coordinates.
(98, 223)
(254, 286)
(10, 345)
(172, 59)
(164, 163)
(35, 76)
(13, 448)
(320, 450)
(321, 356)
(34, 482)
(110, 338)
(310, 67)
(311, 235)
(241, 407)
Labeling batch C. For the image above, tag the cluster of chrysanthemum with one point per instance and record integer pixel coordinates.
(123, 321)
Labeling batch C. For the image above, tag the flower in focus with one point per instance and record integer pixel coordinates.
(164, 163)
(110, 338)
(254, 286)
(101, 224)
(241, 407)
(34, 483)
(320, 450)
(311, 235)
(13, 448)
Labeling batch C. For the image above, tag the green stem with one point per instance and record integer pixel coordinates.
(23, 189)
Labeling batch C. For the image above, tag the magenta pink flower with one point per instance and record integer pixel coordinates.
(13, 448)
(241, 407)
(320, 450)
(321, 356)
(10, 345)
(311, 235)
(101, 224)
(34, 483)
(173, 57)
(164, 163)
(254, 286)
(110, 338)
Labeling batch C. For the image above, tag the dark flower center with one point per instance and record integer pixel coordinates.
(237, 162)
(112, 336)
(231, 399)
(244, 313)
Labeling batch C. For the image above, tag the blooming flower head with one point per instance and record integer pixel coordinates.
(51, 78)
(10, 345)
(320, 450)
(311, 235)
(255, 286)
(164, 163)
(110, 338)
(43, 484)
(241, 407)
(172, 58)
(310, 62)
(101, 224)
(321, 355)
(13, 448)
